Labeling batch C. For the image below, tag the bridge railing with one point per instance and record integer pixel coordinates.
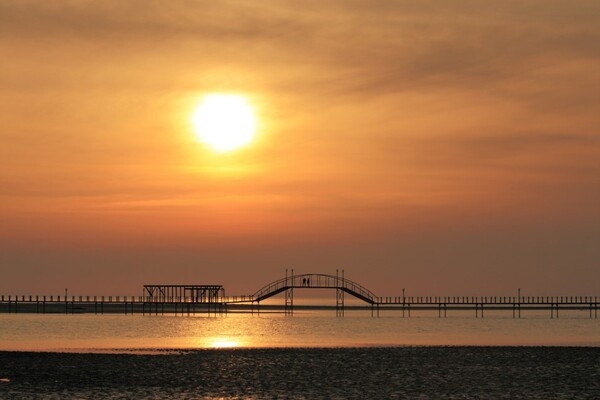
(273, 287)
(361, 290)
(315, 281)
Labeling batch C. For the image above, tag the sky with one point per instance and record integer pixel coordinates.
(443, 147)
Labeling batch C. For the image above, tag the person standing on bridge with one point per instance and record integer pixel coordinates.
(307, 281)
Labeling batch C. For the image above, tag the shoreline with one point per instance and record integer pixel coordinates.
(184, 351)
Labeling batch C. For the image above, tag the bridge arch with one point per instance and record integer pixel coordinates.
(315, 281)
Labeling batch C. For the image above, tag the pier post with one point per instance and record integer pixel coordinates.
(403, 301)
(289, 301)
(339, 302)
(477, 305)
(289, 294)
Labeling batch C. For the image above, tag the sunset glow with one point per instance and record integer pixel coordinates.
(414, 145)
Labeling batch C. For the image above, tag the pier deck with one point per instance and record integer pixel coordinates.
(211, 299)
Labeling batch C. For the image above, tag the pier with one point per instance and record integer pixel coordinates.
(211, 300)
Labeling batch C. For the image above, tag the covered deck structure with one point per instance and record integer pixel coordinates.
(184, 293)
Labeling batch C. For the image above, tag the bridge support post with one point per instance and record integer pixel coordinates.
(339, 298)
(339, 304)
(373, 306)
(289, 301)
(257, 308)
(289, 294)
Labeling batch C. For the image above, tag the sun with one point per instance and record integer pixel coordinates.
(222, 343)
(225, 122)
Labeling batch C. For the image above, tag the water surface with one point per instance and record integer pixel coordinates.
(124, 333)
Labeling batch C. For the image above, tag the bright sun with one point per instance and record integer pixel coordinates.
(224, 122)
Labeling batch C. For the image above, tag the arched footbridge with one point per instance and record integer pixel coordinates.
(287, 285)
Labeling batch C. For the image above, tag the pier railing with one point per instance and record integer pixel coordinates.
(118, 299)
(324, 282)
(488, 300)
(190, 305)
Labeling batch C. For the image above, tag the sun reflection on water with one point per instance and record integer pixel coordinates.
(116, 333)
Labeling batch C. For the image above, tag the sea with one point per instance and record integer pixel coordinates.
(312, 354)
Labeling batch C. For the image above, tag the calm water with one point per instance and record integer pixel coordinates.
(305, 329)
(307, 356)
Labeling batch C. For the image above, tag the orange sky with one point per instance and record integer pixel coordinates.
(444, 148)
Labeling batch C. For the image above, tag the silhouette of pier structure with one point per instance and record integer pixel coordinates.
(337, 282)
(188, 297)
(211, 299)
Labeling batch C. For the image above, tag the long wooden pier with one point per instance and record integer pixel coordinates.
(211, 300)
